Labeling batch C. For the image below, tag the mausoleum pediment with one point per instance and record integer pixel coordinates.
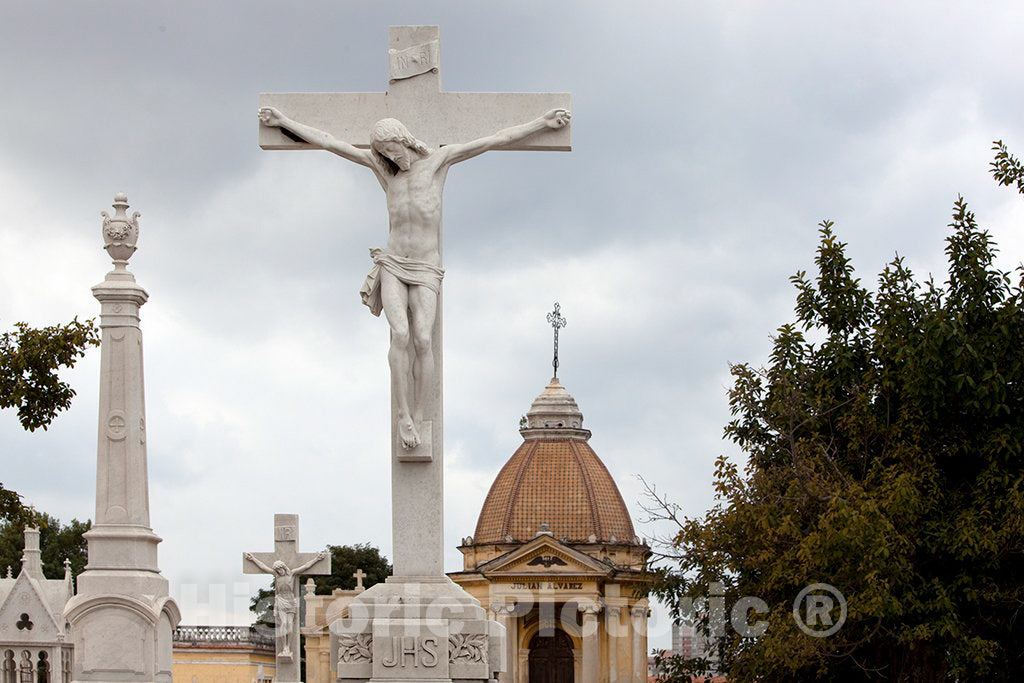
(545, 556)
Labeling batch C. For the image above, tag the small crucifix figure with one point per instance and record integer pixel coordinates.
(286, 564)
(558, 322)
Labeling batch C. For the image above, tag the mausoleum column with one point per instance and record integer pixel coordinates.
(613, 631)
(639, 623)
(504, 614)
(591, 642)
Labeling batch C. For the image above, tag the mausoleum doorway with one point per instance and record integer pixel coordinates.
(551, 659)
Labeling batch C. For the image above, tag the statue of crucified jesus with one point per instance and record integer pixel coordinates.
(286, 606)
(406, 276)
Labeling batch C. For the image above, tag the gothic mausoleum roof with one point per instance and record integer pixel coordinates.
(555, 479)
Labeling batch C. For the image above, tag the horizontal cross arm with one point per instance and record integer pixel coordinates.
(441, 119)
(346, 116)
(293, 560)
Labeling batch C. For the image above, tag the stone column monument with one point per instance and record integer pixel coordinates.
(122, 618)
(418, 625)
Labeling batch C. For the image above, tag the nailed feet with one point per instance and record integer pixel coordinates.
(407, 433)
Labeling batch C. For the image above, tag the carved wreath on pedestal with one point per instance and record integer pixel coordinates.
(357, 648)
(468, 647)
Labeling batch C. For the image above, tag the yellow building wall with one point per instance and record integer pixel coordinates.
(210, 665)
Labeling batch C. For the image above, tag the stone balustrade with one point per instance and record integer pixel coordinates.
(236, 635)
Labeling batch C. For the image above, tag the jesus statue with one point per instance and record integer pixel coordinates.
(286, 606)
(406, 276)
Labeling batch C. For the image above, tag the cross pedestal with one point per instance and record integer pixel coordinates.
(399, 630)
(286, 551)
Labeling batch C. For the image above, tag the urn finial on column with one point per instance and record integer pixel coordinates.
(120, 233)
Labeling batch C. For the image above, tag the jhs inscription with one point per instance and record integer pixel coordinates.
(548, 585)
(420, 651)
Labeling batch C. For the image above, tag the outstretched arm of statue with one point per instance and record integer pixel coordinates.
(259, 565)
(556, 118)
(270, 116)
(303, 567)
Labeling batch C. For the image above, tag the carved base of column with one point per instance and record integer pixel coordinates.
(428, 632)
(123, 637)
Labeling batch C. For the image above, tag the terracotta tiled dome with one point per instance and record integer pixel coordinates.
(554, 478)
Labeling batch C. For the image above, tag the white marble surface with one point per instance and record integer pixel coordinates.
(286, 564)
(412, 171)
(122, 618)
(405, 282)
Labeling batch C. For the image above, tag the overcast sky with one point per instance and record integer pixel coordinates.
(709, 140)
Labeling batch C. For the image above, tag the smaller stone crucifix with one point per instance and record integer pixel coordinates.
(286, 564)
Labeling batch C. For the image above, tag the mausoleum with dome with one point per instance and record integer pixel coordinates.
(556, 558)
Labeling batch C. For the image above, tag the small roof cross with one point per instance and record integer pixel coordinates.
(359, 575)
(558, 322)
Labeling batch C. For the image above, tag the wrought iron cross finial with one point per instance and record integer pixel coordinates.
(558, 322)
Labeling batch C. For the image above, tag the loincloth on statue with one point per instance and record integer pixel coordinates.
(407, 270)
(283, 605)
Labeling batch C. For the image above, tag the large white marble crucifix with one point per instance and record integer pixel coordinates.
(411, 165)
(286, 564)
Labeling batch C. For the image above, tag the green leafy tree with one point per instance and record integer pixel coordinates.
(10, 504)
(345, 560)
(884, 458)
(1006, 168)
(56, 540)
(29, 360)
